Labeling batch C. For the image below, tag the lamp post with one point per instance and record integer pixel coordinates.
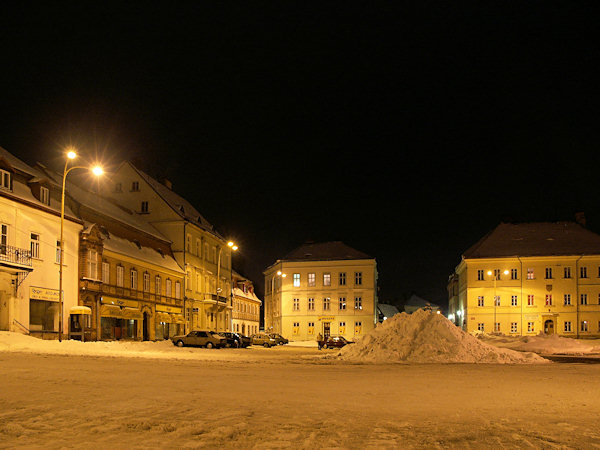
(495, 273)
(233, 247)
(97, 170)
(282, 276)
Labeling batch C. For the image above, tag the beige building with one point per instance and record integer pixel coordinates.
(197, 247)
(246, 306)
(526, 279)
(325, 288)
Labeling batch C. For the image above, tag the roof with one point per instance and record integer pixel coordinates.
(387, 310)
(536, 239)
(180, 205)
(325, 251)
(415, 300)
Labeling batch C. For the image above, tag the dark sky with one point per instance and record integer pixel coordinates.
(406, 130)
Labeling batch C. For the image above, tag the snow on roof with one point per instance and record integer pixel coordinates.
(180, 205)
(249, 295)
(325, 251)
(536, 239)
(387, 310)
(147, 254)
(415, 300)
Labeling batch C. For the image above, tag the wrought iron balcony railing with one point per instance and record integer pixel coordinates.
(15, 255)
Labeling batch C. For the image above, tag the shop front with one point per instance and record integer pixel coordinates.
(43, 311)
(169, 321)
(119, 319)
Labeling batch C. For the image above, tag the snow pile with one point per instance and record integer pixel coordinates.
(545, 344)
(426, 337)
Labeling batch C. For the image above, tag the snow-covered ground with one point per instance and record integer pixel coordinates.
(544, 345)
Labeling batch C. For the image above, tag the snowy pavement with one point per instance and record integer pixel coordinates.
(156, 395)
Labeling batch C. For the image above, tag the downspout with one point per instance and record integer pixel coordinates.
(577, 295)
(522, 299)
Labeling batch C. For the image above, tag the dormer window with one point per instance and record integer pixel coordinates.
(44, 195)
(135, 186)
(4, 179)
(144, 207)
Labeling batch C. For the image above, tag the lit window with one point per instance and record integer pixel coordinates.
(497, 300)
(312, 279)
(530, 300)
(357, 327)
(548, 299)
(342, 328)
(296, 329)
(326, 279)
(530, 274)
(296, 280)
(311, 328)
(497, 327)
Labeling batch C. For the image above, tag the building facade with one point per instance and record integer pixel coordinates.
(197, 246)
(246, 306)
(326, 288)
(30, 204)
(526, 279)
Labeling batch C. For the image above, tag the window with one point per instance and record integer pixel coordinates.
(583, 272)
(342, 278)
(513, 327)
(514, 274)
(567, 299)
(358, 278)
(206, 251)
(144, 207)
(357, 327)
(342, 303)
(57, 254)
(480, 301)
(567, 327)
(296, 329)
(497, 327)
(326, 279)
(530, 300)
(198, 248)
(120, 276)
(312, 279)
(530, 274)
(296, 280)
(584, 325)
(357, 302)
(134, 279)
(157, 284)
(311, 304)
(531, 327)
(513, 300)
(135, 186)
(497, 273)
(4, 179)
(311, 328)
(105, 272)
(548, 299)
(481, 326)
(146, 282)
(326, 304)
(342, 328)
(168, 292)
(296, 304)
(548, 273)
(44, 195)
(118, 187)
(92, 264)
(3, 238)
(583, 298)
(34, 245)
(567, 272)
(480, 275)
(177, 289)
(497, 300)
(188, 243)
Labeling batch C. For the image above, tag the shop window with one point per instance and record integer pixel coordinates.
(42, 315)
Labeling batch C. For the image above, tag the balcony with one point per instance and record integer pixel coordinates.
(131, 294)
(215, 297)
(14, 259)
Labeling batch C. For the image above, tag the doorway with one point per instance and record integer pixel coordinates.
(326, 329)
(146, 327)
(549, 327)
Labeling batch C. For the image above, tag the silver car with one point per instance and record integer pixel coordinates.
(208, 339)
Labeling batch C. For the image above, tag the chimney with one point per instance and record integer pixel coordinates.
(167, 183)
(580, 218)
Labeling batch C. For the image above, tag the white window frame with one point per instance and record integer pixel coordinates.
(296, 278)
(34, 245)
(358, 303)
(133, 278)
(105, 272)
(5, 177)
(120, 275)
(44, 195)
(327, 279)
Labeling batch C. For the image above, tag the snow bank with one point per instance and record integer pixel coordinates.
(543, 344)
(426, 337)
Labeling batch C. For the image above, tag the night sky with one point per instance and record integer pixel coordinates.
(406, 130)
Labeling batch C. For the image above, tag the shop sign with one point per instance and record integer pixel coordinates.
(327, 318)
(119, 302)
(50, 295)
(168, 309)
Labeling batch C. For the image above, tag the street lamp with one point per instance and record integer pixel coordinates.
(233, 247)
(97, 170)
(495, 273)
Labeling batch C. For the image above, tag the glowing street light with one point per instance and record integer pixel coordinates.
(97, 170)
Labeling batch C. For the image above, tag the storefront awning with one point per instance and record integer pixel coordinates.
(111, 311)
(132, 313)
(80, 310)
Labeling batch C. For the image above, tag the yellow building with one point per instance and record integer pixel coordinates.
(326, 288)
(526, 279)
(246, 306)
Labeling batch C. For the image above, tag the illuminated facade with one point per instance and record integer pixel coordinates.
(526, 279)
(327, 288)
(246, 306)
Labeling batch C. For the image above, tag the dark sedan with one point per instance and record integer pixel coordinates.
(333, 342)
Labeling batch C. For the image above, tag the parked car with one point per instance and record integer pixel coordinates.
(263, 339)
(208, 339)
(333, 342)
(279, 338)
(236, 340)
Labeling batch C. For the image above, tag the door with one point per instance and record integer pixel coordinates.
(549, 327)
(146, 336)
(326, 330)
